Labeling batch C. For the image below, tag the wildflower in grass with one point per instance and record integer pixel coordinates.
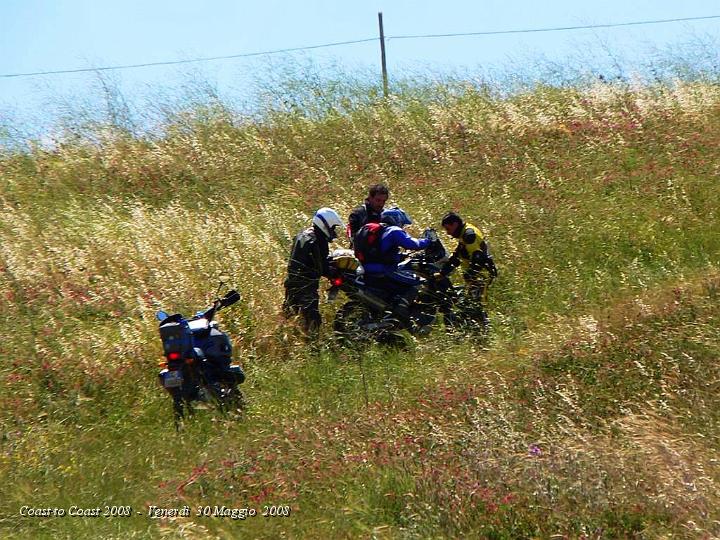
(139, 224)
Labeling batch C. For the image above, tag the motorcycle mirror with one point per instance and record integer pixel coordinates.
(230, 298)
(161, 316)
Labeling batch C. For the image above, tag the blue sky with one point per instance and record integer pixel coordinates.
(48, 35)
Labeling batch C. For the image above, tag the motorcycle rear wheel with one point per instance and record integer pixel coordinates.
(348, 325)
(350, 331)
(181, 408)
(234, 400)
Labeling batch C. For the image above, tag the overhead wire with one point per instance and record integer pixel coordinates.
(187, 61)
(555, 29)
(352, 42)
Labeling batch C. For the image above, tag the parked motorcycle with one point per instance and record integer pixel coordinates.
(367, 315)
(198, 360)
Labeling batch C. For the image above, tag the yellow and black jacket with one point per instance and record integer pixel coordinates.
(472, 255)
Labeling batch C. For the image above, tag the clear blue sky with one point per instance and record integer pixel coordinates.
(47, 35)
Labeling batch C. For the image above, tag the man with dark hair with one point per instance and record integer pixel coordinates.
(478, 267)
(370, 211)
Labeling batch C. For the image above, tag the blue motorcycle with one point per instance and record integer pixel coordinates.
(198, 360)
(367, 315)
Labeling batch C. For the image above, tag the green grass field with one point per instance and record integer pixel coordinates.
(592, 412)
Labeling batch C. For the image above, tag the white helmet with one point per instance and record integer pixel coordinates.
(327, 220)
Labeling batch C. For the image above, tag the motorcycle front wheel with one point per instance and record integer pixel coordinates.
(233, 400)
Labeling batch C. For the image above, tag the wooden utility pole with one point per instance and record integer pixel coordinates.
(382, 56)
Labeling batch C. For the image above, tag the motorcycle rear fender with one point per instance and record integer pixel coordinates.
(161, 382)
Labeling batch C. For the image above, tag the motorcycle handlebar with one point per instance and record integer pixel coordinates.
(230, 298)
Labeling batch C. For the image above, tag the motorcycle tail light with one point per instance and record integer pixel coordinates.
(337, 281)
(173, 356)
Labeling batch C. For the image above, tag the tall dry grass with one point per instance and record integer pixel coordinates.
(592, 411)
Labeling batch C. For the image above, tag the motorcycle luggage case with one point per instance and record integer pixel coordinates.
(237, 372)
(218, 347)
(174, 337)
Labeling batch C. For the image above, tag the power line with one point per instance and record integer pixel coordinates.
(352, 42)
(175, 62)
(555, 29)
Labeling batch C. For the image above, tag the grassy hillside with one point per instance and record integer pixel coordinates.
(593, 410)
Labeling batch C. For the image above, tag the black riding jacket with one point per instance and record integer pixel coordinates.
(360, 216)
(308, 260)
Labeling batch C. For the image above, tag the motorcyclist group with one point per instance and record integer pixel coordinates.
(377, 235)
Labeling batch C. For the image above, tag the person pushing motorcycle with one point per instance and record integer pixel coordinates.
(308, 263)
(473, 256)
(381, 264)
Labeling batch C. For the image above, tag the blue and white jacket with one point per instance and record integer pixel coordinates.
(393, 238)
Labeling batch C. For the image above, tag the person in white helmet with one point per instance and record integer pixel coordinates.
(308, 263)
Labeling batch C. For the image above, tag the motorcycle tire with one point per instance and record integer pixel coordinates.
(234, 400)
(181, 408)
(348, 325)
(227, 397)
(349, 330)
